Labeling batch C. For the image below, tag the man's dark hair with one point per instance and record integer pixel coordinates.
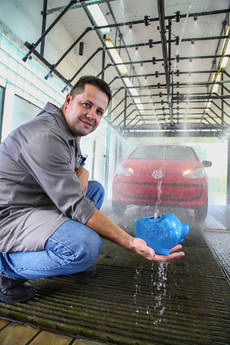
(88, 79)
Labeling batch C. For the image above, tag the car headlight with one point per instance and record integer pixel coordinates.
(194, 173)
(124, 171)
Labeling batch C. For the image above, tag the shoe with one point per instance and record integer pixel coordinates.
(12, 290)
(90, 272)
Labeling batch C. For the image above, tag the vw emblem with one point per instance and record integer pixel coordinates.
(158, 173)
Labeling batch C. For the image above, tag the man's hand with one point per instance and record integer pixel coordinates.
(83, 176)
(139, 246)
(108, 229)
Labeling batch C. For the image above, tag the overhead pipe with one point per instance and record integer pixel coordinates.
(141, 21)
(150, 43)
(169, 52)
(178, 85)
(127, 51)
(225, 88)
(78, 5)
(102, 40)
(154, 75)
(103, 64)
(96, 51)
(120, 33)
(179, 96)
(213, 118)
(160, 60)
(46, 63)
(120, 123)
(42, 47)
(67, 52)
(219, 43)
(201, 133)
(220, 108)
(161, 13)
(120, 115)
(117, 105)
(217, 116)
(34, 45)
(222, 101)
(81, 68)
(72, 5)
(214, 64)
(226, 103)
(121, 88)
(125, 110)
(192, 116)
(202, 97)
(134, 118)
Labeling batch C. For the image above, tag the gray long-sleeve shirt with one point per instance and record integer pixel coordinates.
(39, 189)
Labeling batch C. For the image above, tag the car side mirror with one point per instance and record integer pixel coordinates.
(207, 164)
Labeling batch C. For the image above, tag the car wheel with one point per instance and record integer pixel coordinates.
(118, 207)
(201, 212)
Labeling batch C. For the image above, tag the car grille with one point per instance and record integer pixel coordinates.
(149, 191)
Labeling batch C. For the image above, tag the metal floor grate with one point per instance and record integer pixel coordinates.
(219, 242)
(131, 301)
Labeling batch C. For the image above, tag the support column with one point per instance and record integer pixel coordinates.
(107, 154)
(222, 100)
(125, 110)
(93, 160)
(228, 173)
(8, 106)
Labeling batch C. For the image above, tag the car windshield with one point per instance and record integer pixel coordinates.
(163, 153)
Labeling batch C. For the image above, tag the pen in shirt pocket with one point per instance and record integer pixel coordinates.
(82, 159)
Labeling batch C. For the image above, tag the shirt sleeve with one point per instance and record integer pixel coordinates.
(51, 161)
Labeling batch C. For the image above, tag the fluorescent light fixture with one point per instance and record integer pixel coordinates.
(225, 50)
(139, 104)
(116, 57)
(208, 106)
(213, 76)
(134, 92)
(129, 84)
(217, 78)
(225, 59)
(99, 17)
(215, 88)
(224, 62)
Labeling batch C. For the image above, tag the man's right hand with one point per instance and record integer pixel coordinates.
(139, 246)
(108, 229)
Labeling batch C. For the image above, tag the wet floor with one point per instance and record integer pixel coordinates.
(133, 301)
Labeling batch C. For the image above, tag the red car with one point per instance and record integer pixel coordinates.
(168, 175)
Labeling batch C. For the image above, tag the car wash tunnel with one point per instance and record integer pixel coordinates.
(162, 149)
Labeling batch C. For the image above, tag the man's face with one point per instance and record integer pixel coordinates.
(83, 113)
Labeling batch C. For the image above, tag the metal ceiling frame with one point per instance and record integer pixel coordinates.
(172, 95)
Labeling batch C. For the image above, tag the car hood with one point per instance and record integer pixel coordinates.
(169, 167)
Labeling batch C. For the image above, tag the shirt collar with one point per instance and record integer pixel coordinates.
(55, 111)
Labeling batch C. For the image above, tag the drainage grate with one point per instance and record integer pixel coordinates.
(219, 242)
(165, 304)
(132, 301)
